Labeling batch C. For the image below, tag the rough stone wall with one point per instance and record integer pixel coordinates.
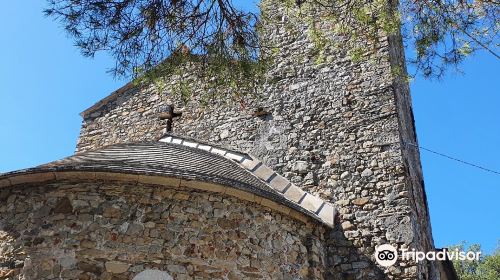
(100, 230)
(337, 128)
(411, 160)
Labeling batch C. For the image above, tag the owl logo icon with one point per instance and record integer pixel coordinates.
(386, 255)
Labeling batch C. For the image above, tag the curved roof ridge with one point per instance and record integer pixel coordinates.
(189, 164)
(318, 207)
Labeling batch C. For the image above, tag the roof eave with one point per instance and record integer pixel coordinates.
(52, 175)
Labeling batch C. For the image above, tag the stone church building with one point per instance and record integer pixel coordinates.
(301, 183)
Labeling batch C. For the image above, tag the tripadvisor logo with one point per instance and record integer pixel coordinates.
(387, 255)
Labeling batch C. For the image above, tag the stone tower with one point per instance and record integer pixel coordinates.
(338, 129)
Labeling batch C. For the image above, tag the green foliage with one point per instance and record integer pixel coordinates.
(205, 78)
(153, 38)
(487, 268)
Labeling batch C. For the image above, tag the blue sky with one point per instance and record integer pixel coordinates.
(46, 83)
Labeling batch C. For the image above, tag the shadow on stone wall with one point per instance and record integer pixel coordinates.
(345, 261)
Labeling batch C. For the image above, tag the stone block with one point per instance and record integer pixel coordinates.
(135, 229)
(234, 156)
(63, 206)
(360, 201)
(250, 164)
(298, 216)
(219, 152)
(204, 186)
(152, 274)
(301, 167)
(311, 202)
(89, 267)
(116, 267)
(240, 194)
(204, 147)
(327, 214)
(159, 180)
(176, 268)
(275, 206)
(111, 176)
(190, 144)
(294, 193)
(367, 173)
(79, 175)
(263, 172)
(347, 225)
(279, 183)
(32, 178)
(181, 196)
(176, 141)
(166, 139)
(112, 212)
(258, 199)
(227, 224)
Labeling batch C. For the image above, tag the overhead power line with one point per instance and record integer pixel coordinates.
(455, 159)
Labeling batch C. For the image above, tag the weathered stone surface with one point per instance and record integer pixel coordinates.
(328, 213)
(118, 233)
(301, 167)
(227, 223)
(116, 267)
(112, 212)
(90, 268)
(367, 173)
(279, 183)
(63, 206)
(334, 127)
(294, 193)
(87, 244)
(347, 225)
(311, 202)
(41, 212)
(135, 228)
(263, 172)
(153, 274)
(360, 201)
